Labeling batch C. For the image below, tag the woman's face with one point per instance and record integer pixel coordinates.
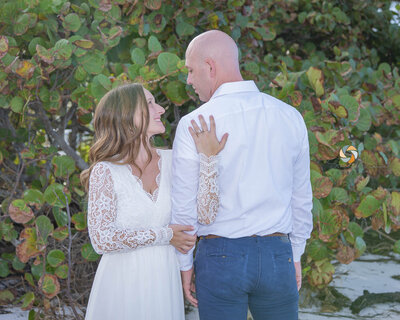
(155, 112)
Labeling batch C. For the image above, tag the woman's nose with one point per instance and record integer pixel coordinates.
(161, 110)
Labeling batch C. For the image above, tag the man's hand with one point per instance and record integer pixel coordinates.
(188, 286)
(297, 266)
(181, 240)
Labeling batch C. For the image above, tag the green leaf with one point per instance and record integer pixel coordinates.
(72, 22)
(60, 233)
(167, 62)
(60, 216)
(364, 121)
(17, 264)
(360, 245)
(29, 278)
(79, 219)
(317, 250)
(17, 104)
(63, 49)
(100, 86)
(6, 297)
(62, 271)
(21, 25)
(55, 257)
(88, 252)
(138, 56)
(33, 196)
(93, 62)
(43, 229)
(154, 45)
(184, 29)
(368, 206)
(28, 300)
(396, 247)
(338, 195)
(351, 105)
(63, 166)
(175, 92)
(54, 195)
(252, 67)
(4, 270)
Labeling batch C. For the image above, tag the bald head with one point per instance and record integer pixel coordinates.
(212, 59)
(216, 45)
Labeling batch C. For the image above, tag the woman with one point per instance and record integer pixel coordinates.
(129, 208)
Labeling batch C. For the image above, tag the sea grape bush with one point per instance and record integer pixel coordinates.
(336, 62)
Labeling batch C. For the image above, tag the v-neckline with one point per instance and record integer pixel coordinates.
(152, 196)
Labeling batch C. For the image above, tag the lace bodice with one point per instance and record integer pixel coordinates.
(123, 216)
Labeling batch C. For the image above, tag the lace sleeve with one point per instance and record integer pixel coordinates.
(208, 193)
(102, 211)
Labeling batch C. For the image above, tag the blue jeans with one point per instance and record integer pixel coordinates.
(233, 275)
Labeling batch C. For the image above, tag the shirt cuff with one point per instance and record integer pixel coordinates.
(298, 250)
(185, 260)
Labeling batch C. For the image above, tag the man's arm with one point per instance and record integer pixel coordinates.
(301, 204)
(185, 179)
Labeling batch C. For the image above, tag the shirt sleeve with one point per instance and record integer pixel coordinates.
(185, 180)
(301, 201)
(208, 193)
(104, 234)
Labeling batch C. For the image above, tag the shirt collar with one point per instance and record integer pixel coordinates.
(235, 87)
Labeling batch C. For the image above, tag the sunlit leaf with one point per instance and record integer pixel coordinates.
(316, 79)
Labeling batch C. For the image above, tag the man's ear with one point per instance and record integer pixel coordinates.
(212, 67)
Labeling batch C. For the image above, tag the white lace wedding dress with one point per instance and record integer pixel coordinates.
(138, 277)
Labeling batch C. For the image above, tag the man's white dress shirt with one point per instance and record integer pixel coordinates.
(264, 169)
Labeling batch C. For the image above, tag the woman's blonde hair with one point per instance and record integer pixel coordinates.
(117, 138)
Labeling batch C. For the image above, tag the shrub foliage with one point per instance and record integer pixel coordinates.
(335, 61)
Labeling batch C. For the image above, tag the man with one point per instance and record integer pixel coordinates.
(249, 257)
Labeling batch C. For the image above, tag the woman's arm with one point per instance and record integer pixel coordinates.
(208, 148)
(102, 212)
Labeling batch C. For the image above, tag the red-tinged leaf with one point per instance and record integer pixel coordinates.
(322, 187)
(49, 285)
(25, 69)
(20, 212)
(296, 98)
(370, 162)
(346, 254)
(105, 5)
(44, 54)
(28, 248)
(153, 4)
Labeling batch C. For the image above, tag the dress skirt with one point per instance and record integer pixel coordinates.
(139, 284)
